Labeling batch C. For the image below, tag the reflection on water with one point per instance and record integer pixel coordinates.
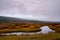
(44, 30)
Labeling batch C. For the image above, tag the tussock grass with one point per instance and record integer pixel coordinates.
(49, 36)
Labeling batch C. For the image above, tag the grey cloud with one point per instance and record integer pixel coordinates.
(46, 10)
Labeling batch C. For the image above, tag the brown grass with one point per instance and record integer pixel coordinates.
(6, 27)
(50, 36)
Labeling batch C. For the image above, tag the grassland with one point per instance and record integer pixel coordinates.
(7, 27)
(50, 36)
(26, 27)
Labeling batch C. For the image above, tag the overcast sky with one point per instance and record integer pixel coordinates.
(43, 10)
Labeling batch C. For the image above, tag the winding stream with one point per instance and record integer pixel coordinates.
(44, 30)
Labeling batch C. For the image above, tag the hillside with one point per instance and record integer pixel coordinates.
(10, 19)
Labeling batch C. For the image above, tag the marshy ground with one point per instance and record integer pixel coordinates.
(28, 27)
(49, 36)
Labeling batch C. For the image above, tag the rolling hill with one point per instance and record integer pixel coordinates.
(10, 19)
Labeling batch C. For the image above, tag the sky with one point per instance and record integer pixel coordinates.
(42, 10)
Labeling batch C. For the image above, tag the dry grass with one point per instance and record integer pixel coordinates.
(26, 27)
(50, 36)
(6, 27)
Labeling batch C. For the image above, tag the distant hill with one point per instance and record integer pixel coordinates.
(10, 19)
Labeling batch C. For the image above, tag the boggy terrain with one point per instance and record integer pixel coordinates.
(50, 36)
(26, 27)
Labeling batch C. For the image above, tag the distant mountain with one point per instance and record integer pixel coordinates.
(10, 19)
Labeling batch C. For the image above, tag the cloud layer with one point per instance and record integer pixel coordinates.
(43, 10)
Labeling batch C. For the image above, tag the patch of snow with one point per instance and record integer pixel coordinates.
(45, 30)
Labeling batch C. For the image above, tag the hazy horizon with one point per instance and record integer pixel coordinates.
(42, 10)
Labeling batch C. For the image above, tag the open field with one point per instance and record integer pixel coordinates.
(50, 36)
(26, 27)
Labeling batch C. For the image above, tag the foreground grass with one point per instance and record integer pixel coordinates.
(50, 36)
(7, 27)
